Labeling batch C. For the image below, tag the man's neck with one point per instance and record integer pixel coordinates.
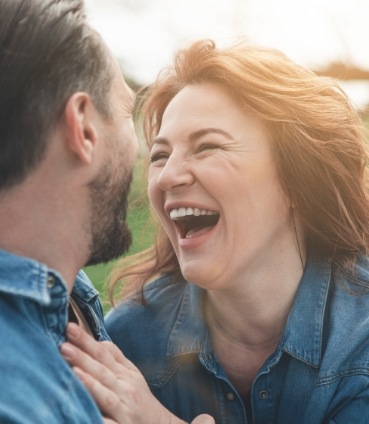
(35, 224)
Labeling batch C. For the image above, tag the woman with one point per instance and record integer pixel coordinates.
(259, 312)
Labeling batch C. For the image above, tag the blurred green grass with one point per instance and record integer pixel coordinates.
(138, 218)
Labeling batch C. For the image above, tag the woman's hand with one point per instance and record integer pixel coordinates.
(117, 385)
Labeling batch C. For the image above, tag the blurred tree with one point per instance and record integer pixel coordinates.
(344, 71)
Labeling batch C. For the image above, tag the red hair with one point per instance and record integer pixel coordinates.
(317, 139)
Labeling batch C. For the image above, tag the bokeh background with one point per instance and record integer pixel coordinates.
(143, 34)
(329, 36)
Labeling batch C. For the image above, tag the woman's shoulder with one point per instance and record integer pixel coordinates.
(142, 330)
(353, 276)
(154, 293)
(162, 298)
(348, 317)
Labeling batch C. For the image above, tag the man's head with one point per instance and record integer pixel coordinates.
(58, 77)
(47, 52)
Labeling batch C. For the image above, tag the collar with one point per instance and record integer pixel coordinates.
(26, 277)
(189, 330)
(83, 291)
(303, 334)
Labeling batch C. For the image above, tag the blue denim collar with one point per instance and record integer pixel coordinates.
(87, 298)
(29, 278)
(189, 330)
(303, 334)
(83, 291)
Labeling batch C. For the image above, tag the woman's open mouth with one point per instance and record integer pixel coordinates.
(192, 222)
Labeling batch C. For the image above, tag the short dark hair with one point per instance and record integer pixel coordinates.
(47, 52)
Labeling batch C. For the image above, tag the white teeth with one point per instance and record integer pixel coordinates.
(173, 214)
(181, 212)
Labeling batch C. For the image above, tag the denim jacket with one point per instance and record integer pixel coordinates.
(319, 373)
(37, 385)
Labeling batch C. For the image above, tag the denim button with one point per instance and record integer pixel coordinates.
(50, 281)
(208, 357)
(263, 394)
(230, 396)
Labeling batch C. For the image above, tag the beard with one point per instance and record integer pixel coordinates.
(110, 235)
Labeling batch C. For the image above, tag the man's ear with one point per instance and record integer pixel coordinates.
(79, 114)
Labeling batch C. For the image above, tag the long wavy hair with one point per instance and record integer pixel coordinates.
(318, 143)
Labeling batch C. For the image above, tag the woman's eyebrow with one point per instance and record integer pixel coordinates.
(204, 131)
(159, 140)
(195, 135)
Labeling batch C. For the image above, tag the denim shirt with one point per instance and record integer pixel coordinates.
(318, 374)
(36, 384)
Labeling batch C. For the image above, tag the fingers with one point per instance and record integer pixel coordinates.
(104, 352)
(118, 355)
(128, 402)
(88, 365)
(203, 419)
(117, 386)
(108, 401)
(104, 385)
(120, 392)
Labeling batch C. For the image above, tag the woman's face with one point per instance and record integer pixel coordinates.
(214, 185)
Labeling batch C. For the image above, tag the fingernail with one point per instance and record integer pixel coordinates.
(73, 331)
(68, 351)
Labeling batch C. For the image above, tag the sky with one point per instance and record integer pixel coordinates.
(144, 34)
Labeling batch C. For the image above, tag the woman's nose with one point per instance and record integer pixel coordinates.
(175, 173)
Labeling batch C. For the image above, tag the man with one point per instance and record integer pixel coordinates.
(67, 151)
(67, 148)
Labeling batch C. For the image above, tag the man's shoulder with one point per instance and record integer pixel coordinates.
(37, 385)
(25, 340)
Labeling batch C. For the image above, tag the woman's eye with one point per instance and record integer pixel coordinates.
(207, 147)
(158, 156)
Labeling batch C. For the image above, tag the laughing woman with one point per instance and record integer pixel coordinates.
(259, 308)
